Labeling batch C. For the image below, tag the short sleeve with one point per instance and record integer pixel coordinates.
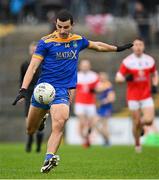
(123, 69)
(41, 50)
(153, 69)
(84, 44)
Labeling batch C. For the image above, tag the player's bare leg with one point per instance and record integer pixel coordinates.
(82, 125)
(90, 123)
(89, 126)
(84, 129)
(103, 129)
(148, 115)
(59, 116)
(34, 118)
(137, 127)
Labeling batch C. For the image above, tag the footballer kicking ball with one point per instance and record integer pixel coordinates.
(44, 93)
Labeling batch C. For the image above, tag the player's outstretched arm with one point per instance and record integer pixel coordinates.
(34, 64)
(103, 47)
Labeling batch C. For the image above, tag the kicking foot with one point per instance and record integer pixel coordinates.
(50, 164)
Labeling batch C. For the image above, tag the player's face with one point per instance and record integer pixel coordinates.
(63, 28)
(85, 66)
(138, 47)
(103, 77)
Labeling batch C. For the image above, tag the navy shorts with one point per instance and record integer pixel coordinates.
(62, 96)
(104, 112)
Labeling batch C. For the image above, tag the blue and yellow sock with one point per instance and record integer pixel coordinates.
(48, 156)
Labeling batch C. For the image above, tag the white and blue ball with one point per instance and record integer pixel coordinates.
(44, 93)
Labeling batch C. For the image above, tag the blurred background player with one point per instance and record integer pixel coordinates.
(137, 69)
(85, 107)
(105, 96)
(23, 69)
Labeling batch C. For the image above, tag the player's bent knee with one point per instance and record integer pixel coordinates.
(59, 125)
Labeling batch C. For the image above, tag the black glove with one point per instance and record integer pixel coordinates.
(129, 77)
(124, 47)
(154, 89)
(92, 91)
(22, 94)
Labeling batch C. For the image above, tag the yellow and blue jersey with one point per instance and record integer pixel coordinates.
(104, 110)
(60, 59)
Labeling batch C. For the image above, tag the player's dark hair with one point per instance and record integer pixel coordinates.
(64, 15)
(140, 39)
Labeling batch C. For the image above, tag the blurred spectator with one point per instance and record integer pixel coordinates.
(97, 7)
(105, 98)
(48, 5)
(157, 26)
(150, 5)
(131, 7)
(142, 19)
(79, 9)
(124, 8)
(67, 4)
(4, 10)
(32, 9)
(113, 7)
(16, 7)
(99, 23)
(51, 20)
(29, 12)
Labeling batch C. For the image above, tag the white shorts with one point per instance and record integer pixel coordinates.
(135, 105)
(85, 109)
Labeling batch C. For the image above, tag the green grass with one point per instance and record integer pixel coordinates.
(77, 163)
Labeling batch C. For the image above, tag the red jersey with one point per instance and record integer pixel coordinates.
(141, 69)
(86, 83)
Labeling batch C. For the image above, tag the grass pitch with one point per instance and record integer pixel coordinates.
(96, 162)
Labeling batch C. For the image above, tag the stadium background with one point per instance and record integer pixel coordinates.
(24, 21)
